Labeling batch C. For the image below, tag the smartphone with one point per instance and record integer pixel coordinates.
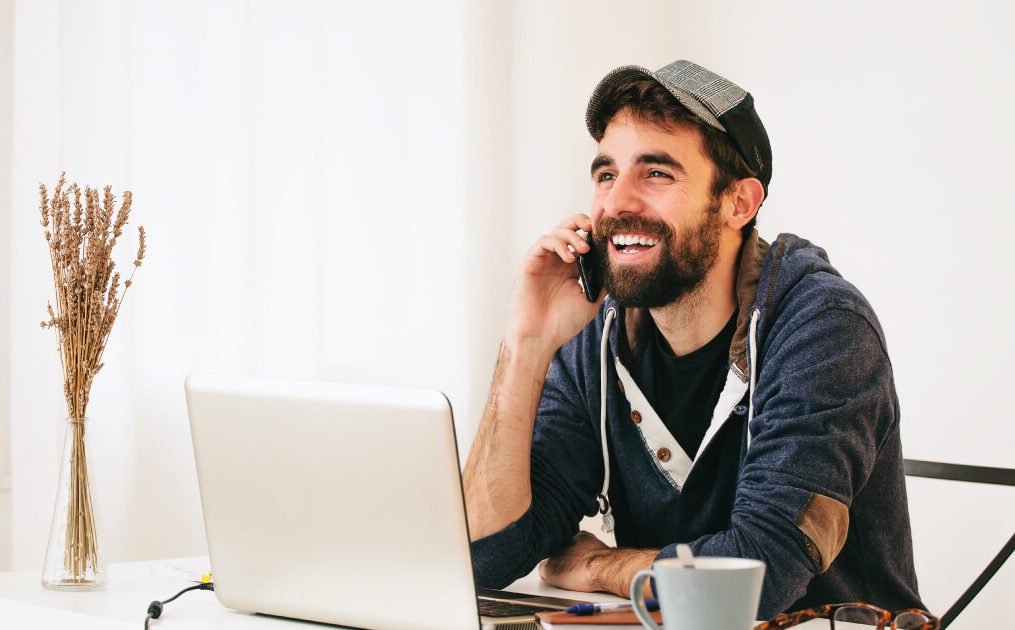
(589, 270)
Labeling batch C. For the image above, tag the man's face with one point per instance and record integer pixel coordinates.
(656, 224)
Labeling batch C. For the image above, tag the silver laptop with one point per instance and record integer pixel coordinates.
(341, 504)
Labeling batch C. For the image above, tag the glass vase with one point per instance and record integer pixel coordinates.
(74, 560)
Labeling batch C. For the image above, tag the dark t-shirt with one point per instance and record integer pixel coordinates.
(684, 390)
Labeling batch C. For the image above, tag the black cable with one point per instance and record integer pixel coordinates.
(155, 608)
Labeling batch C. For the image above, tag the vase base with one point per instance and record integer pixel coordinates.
(71, 585)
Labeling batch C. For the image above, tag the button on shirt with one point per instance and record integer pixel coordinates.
(684, 390)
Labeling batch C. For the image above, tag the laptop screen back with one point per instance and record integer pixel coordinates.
(334, 503)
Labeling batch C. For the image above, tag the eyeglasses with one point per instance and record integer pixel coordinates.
(857, 613)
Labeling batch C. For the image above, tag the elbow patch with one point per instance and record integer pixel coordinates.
(824, 523)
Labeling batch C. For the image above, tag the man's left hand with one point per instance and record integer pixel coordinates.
(587, 564)
(569, 567)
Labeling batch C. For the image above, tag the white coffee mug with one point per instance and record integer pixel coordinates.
(716, 594)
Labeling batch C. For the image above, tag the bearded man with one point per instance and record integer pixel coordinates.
(726, 393)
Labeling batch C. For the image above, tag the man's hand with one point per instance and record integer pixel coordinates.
(547, 306)
(587, 564)
(569, 567)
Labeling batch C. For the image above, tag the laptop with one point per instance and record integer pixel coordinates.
(340, 504)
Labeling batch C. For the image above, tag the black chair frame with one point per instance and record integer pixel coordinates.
(973, 474)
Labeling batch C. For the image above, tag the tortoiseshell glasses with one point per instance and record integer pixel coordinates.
(857, 613)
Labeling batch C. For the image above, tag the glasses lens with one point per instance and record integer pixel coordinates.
(908, 620)
(858, 615)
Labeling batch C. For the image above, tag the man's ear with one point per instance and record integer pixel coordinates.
(746, 196)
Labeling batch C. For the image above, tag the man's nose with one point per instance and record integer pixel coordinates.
(624, 197)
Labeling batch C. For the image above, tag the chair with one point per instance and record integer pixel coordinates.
(974, 474)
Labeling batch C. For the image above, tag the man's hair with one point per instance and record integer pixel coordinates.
(651, 102)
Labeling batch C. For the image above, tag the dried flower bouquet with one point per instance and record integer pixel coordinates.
(81, 237)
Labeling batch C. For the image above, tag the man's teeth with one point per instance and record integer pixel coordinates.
(629, 239)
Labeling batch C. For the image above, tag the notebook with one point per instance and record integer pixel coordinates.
(619, 620)
(340, 504)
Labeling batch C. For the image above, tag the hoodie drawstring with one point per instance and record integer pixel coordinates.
(752, 344)
(604, 502)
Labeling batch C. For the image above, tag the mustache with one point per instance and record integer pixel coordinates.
(607, 226)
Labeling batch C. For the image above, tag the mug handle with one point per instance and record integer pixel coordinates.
(638, 599)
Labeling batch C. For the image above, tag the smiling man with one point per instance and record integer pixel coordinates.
(726, 393)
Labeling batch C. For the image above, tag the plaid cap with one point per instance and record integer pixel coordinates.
(717, 101)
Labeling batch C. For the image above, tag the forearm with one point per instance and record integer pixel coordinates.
(496, 477)
(612, 570)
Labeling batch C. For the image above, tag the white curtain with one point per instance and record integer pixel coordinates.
(300, 169)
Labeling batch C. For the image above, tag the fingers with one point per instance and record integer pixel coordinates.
(564, 240)
(564, 243)
(580, 221)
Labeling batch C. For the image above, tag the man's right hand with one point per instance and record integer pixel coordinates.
(548, 306)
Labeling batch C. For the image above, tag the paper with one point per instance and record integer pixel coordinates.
(189, 569)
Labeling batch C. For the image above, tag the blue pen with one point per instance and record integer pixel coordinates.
(651, 604)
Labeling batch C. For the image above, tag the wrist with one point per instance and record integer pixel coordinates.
(528, 354)
(612, 570)
(598, 572)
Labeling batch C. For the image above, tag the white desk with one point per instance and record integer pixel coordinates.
(124, 603)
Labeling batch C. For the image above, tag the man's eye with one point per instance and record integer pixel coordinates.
(657, 173)
(605, 177)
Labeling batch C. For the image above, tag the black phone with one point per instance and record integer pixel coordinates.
(590, 271)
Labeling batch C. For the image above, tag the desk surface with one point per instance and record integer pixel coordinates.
(133, 585)
(25, 604)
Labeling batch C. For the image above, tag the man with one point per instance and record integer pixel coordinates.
(727, 393)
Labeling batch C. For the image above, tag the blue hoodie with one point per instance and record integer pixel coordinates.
(801, 466)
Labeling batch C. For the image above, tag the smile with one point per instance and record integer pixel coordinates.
(633, 243)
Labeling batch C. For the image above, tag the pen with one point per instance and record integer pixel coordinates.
(651, 604)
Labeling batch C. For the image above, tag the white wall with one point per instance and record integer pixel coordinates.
(6, 120)
(489, 183)
(890, 124)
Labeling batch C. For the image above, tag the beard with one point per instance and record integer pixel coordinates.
(684, 260)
